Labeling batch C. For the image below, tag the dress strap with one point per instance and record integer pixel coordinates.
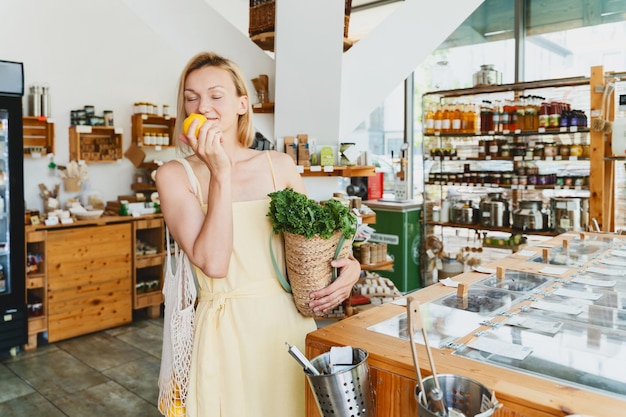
(193, 180)
(269, 158)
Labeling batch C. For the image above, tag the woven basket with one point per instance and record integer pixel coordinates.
(262, 17)
(308, 265)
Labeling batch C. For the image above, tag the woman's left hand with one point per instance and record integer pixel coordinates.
(334, 294)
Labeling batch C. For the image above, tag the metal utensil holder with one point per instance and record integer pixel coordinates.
(466, 395)
(346, 393)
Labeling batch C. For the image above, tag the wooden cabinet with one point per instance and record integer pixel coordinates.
(90, 275)
(149, 243)
(151, 131)
(89, 279)
(95, 143)
(36, 285)
(38, 133)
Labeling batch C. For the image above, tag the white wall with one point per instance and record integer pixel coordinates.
(114, 53)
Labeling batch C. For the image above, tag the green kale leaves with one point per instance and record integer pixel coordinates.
(294, 212)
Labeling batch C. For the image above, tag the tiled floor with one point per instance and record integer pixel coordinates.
(107, 374)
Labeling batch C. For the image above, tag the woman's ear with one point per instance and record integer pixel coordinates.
(243, 105)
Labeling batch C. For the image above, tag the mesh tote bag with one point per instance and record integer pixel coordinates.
(179, 292)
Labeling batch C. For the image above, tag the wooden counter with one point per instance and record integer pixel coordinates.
(393, 376)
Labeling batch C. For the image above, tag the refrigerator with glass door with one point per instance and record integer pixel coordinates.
(13, 314)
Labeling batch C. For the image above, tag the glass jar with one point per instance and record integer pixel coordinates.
(576, 150)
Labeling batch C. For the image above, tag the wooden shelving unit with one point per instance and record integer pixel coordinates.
(38, 133)
(143, 124)
(148, 267)
(339, 171)
(36, 287)
(95, 143)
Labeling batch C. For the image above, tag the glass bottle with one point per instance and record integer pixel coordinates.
(430, 121)
(456, 119)
(438, 119)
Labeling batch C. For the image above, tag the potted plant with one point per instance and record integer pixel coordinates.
(315, 234)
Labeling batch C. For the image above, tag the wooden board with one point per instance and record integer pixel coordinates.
(89, 280)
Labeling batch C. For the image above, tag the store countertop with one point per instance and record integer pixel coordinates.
(571, 364)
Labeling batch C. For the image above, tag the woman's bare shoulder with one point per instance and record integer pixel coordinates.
(282, 160)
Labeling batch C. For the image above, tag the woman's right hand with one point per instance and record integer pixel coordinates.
(208, 145)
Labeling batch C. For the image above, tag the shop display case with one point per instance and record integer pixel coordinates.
(507, 160)
(547, 338)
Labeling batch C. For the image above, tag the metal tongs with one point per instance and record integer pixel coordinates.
(302, 360)
(435, 399)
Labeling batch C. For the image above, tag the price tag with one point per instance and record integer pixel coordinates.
(563, 292)
(554, 271)
(573, 158)
(505, 132)
(557, 308)
(300, 169)
(548, 327)
(316, 168)
(329, 168)
(118, 131)
(83, 129)
(518, 131)
(573, 128)
(595, 282)
(541, 130)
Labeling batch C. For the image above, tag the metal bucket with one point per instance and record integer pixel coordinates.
(345, 393)
(461, 394)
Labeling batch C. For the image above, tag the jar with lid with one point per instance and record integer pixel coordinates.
(576, 150)
(564, 151)
(482, 148)
(505, 150)
(549, 150)
(494, 149)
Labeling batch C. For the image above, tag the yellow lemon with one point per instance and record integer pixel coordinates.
(193, 116)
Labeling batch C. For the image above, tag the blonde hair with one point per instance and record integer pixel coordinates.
(245, 129)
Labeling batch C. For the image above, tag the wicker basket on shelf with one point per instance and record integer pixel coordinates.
(262, 17)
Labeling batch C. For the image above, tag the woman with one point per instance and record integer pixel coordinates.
(240, 364)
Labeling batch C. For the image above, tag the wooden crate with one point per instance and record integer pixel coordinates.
(95, 143)
(143, 124)
(38, 133)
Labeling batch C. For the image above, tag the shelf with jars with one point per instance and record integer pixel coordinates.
(505, 158)
(153, 131)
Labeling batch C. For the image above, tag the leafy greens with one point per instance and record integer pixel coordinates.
(295, 213)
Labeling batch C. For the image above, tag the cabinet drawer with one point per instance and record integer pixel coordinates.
(148, 224)
(38, 236)
(36, 324)
(37, 282)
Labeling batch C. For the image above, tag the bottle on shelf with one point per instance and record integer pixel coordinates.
(430, 121)
(446, 119)
(438, 119)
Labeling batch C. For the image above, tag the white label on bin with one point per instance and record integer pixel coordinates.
(384, 238)
(508, 350)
